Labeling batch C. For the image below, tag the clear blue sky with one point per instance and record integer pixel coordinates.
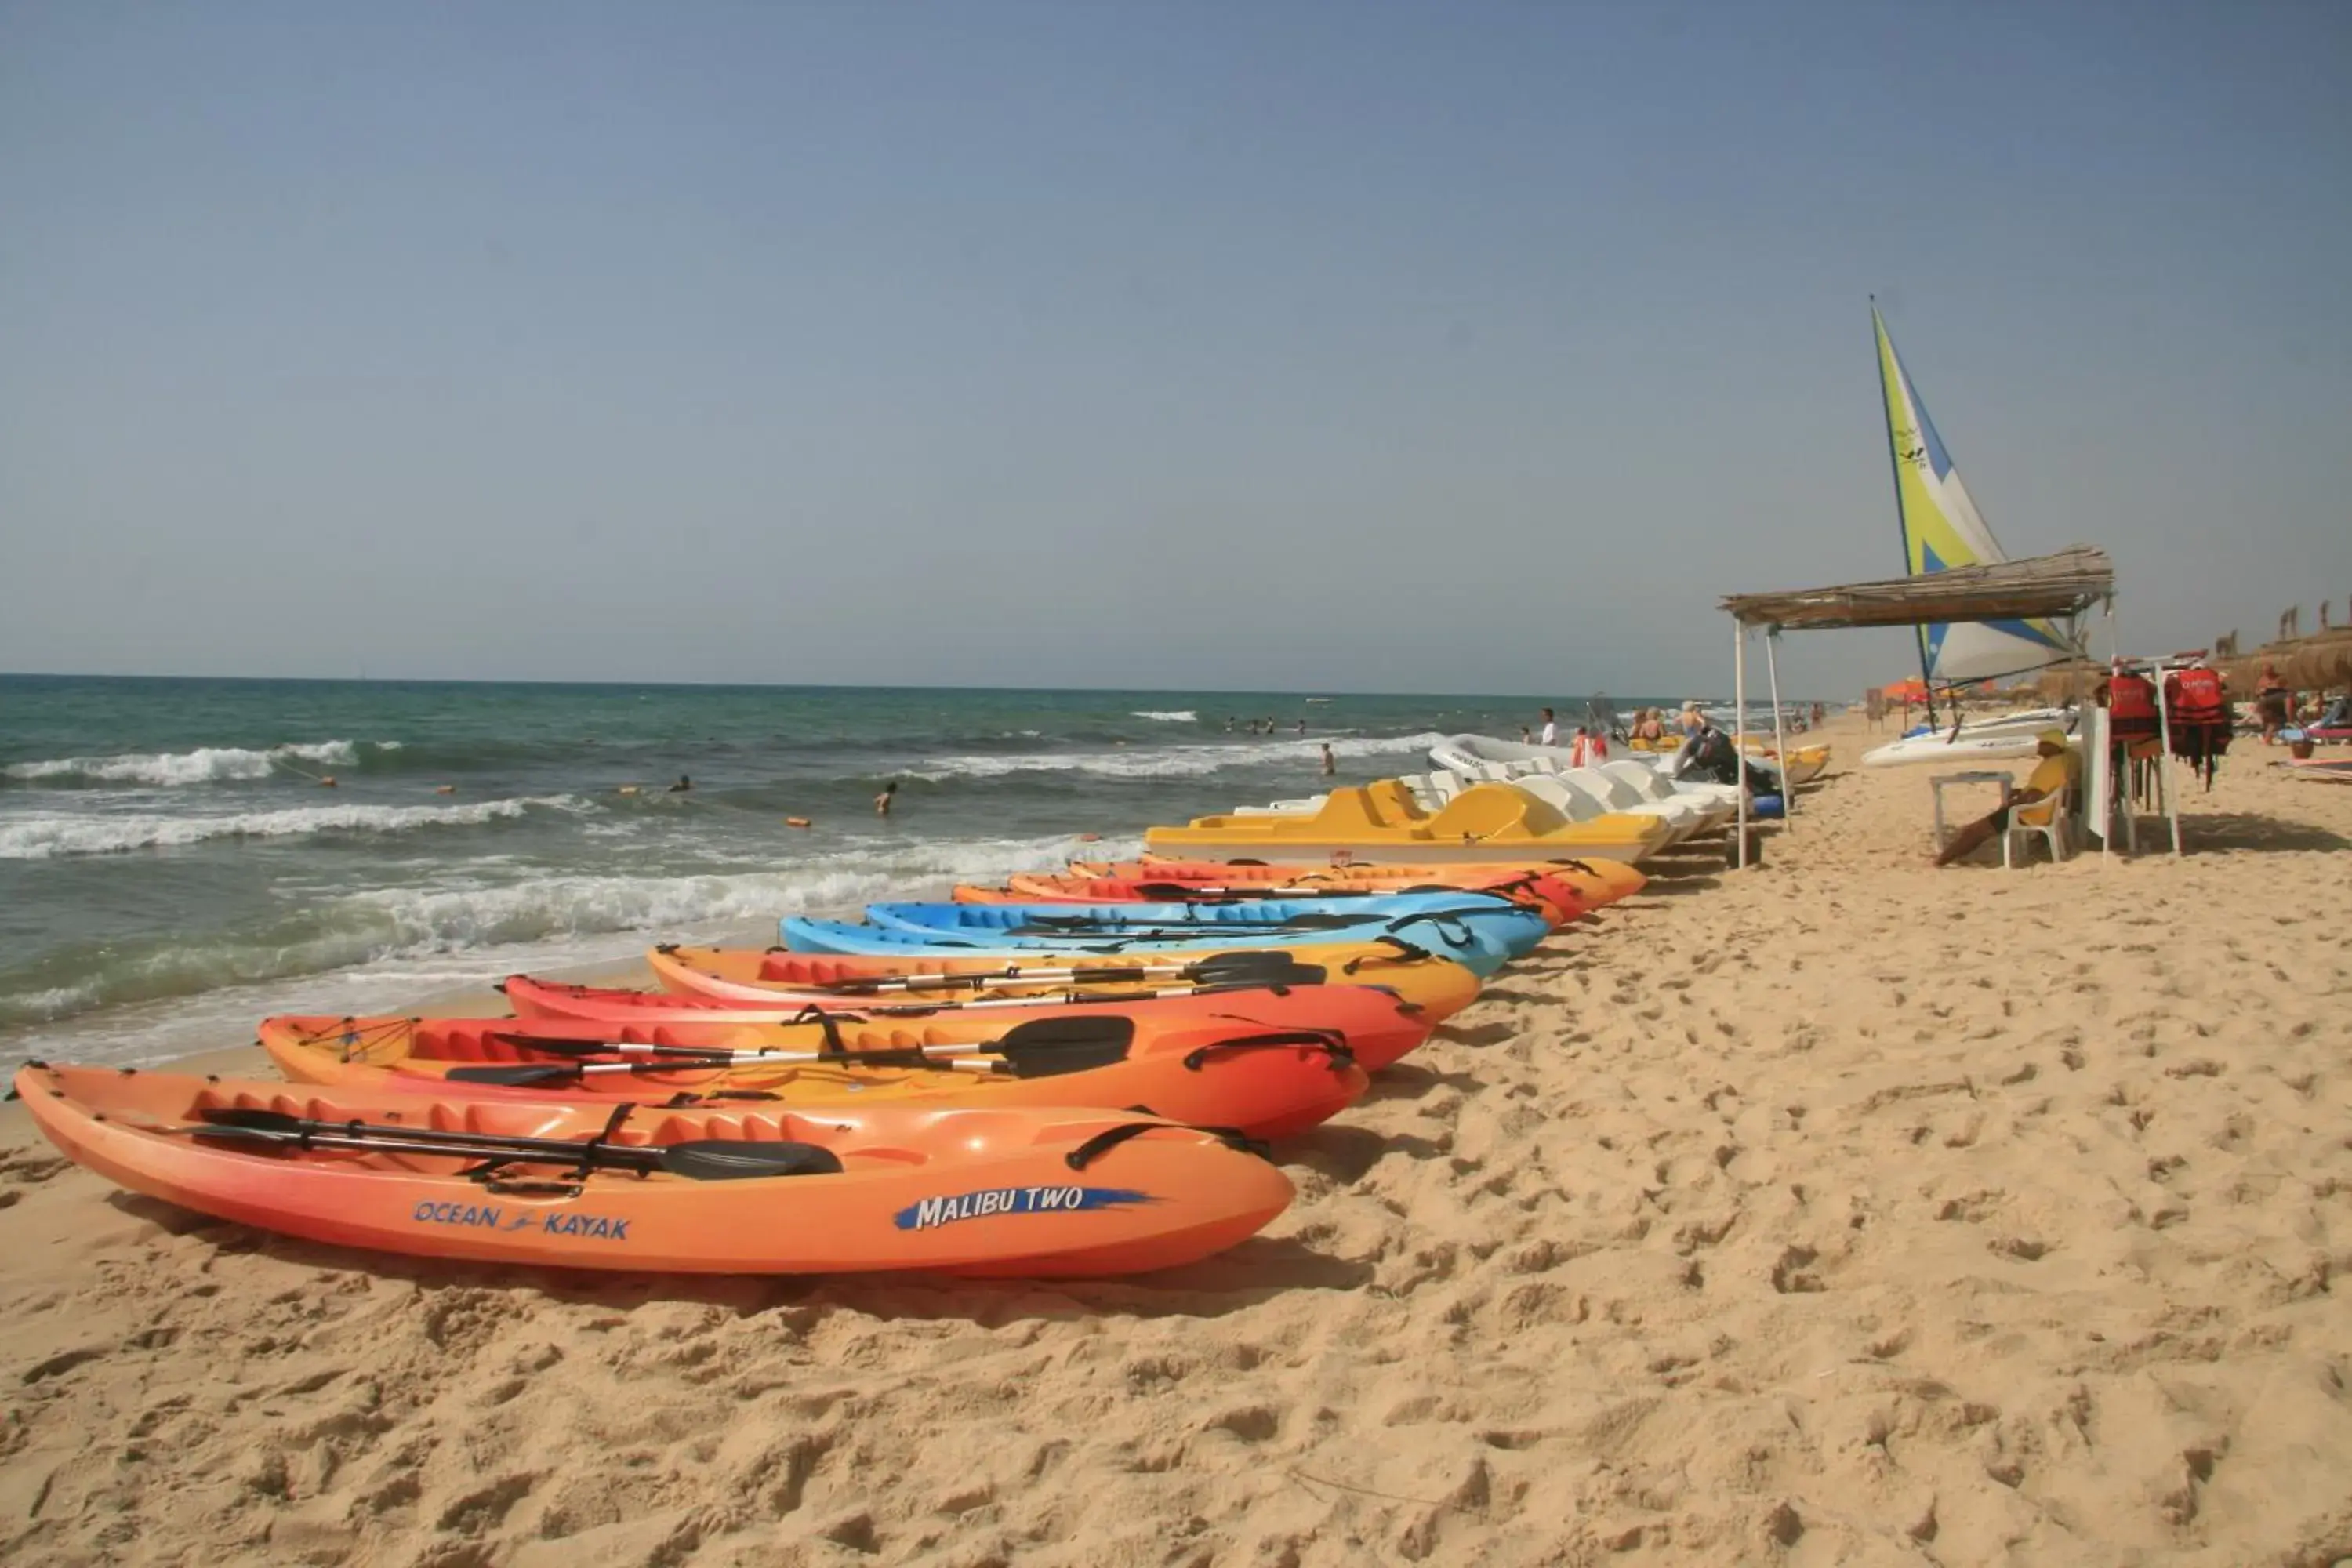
(1335, 345)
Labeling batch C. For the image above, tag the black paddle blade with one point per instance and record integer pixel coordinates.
(726, 1159)
(529, 1075)
(1071, 1032)
(253, 1120)
(1257, 966)
(1045, 1047)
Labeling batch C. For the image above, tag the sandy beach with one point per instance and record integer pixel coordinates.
(1844, 1211)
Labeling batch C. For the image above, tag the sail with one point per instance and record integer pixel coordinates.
(1941, 529)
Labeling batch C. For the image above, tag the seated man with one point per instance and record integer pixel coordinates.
(2056, 773)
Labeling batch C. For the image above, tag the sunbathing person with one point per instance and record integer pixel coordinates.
(2052, 776)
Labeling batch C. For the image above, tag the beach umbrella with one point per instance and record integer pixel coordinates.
(1910, 689)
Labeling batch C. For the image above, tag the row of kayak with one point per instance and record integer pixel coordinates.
(1064, 1075)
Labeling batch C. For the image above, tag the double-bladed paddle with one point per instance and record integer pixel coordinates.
(1154, 929)
(702, 1160)
(1041, 1048)
(1243, 966)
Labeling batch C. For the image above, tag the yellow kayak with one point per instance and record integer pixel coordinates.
(1380, 824)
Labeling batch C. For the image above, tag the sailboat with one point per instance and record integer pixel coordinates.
(1943, 529)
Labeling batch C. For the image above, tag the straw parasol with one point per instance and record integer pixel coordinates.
(2320, 662)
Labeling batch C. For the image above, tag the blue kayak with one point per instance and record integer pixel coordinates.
(1476, 936)
(1509, 924)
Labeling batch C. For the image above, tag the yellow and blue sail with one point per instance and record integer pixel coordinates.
(1943, 529)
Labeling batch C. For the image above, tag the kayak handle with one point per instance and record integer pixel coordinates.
(1331, 1044)
(1110, 1137)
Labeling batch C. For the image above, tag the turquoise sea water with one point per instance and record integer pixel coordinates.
(171, 867)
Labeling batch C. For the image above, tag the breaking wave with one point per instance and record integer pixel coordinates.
(476, 934)
(46, 837)
(205, 764)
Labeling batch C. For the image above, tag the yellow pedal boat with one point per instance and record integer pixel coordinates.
(1380, 824)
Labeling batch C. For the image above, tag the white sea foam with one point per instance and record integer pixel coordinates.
(1169, 715)
(382, 949)
(1172, 762)
(457, 919)
(46, 838)
(206, 765)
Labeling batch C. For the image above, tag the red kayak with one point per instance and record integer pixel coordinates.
(1377, 1024)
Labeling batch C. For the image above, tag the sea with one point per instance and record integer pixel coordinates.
(174, 864)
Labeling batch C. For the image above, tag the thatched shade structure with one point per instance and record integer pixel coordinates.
(2057, 587)
(2042, 587)
(2318, 663)
(2321, 663)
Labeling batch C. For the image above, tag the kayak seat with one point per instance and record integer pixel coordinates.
(1484, 810)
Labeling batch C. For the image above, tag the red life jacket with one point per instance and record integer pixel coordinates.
(2195, 698)
(2131, 705)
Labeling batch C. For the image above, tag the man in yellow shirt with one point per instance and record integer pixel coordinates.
(2058, 772)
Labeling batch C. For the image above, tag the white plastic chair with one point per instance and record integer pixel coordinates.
(2017, 843)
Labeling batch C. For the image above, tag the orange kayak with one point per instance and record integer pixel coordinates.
(1554, 897)
(731, 1190)
(1596, 882)
(773, 976)
(1267, 1083)
(1377, 1025)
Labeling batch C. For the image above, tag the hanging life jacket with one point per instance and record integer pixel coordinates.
(2131, 707)
(2195, 698)
(2199, 715)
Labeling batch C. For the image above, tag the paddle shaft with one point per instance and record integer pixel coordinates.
(1123, 974)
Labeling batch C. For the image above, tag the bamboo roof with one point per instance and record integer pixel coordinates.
(2059, 585)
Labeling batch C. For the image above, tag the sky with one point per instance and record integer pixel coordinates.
(1330, 346)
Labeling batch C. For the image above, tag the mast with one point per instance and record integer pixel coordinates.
(1894, 472)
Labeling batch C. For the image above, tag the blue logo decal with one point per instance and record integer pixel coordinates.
(949, 1208)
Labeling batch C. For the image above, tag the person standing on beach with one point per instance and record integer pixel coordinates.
(2270, 701)
(1579, 750)
(1549, 736)
(883, 802)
